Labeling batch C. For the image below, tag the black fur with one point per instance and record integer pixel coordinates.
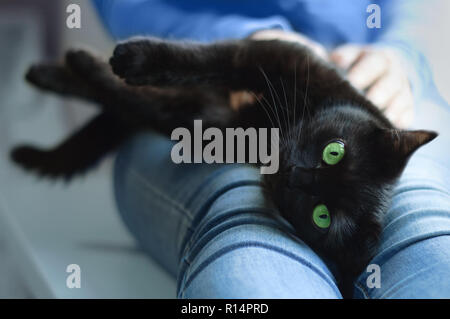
(165, 85)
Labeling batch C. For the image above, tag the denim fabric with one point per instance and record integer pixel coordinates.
(210, 226)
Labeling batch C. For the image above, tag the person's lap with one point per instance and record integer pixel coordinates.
(210, 226)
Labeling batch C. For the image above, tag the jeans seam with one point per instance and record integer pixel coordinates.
(185, 212)
(362, 290)
(211, 235)
(161, 194)
(179, 283)
(189, 202)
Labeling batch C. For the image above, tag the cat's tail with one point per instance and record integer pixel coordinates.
(78, 153)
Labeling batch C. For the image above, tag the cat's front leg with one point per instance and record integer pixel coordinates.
(165, 63)
(235, 65)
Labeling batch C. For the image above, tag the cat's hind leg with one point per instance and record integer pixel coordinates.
(82, 75)
(93, 70)
(57, 78)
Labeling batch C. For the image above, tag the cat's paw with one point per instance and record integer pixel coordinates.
(86, 65)
(49, 77)
(128, 60)
(138, 62)
(79, 61)
(40, 162)
(28, 157)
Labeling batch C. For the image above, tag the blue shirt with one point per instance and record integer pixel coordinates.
(329, 22)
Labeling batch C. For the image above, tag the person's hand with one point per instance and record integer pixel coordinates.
(379, 73)
(237, 99)
(276, 34)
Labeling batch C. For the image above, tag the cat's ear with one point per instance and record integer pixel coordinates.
(398, 145)
(403, 143)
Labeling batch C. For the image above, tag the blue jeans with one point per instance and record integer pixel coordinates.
(210, 226)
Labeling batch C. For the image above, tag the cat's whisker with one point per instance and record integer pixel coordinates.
(264, 108)
(306, 104)
(288, 128)
(281, 137)
(295, 93)
(274, 107)
(305, 96)
(280, 105)
(266, 111)
(269, 85)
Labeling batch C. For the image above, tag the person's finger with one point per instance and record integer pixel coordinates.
(400, 118)
(386, 87)
(406, 119)
(368, 69)
(401, 109)
(291, 37)
(312, 45)
(344, 56)
(319, 50)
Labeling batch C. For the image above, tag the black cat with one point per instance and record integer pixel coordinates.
(339, 155)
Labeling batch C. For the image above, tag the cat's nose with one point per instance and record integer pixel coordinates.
(303, 178)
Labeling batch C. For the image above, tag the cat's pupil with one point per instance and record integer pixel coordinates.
(334, 153)
(323, 216)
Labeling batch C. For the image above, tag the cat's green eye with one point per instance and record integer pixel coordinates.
(321, 216)
(333, 153)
